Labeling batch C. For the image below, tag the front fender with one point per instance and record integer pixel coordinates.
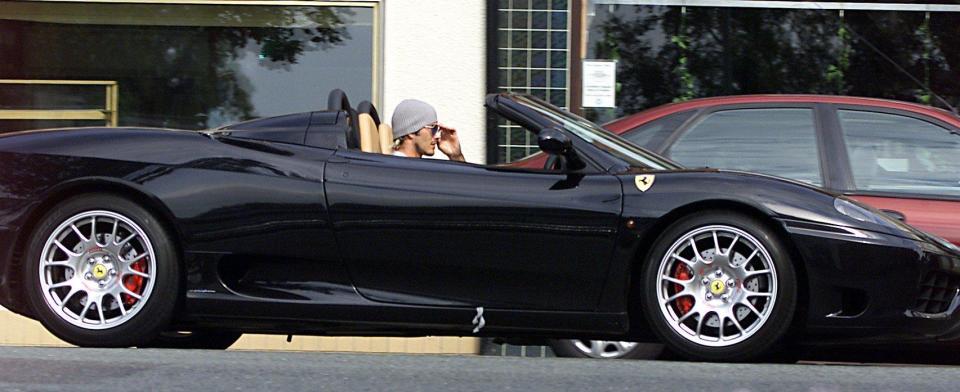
(773, 197)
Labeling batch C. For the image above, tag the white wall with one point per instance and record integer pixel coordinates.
(435, 51)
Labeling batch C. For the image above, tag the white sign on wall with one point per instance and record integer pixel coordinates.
(599, 83)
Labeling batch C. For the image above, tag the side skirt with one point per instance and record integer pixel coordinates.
(250, 315)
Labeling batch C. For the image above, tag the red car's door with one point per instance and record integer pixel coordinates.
(940, 217)
(906, 164)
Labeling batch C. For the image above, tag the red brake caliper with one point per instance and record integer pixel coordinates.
(682, 304)
(134, 283)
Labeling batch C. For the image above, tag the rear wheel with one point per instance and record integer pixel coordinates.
(720, 287)
(101, 271)
(605, 349)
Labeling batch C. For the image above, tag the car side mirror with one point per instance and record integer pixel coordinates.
(557, 144)
(554, 142)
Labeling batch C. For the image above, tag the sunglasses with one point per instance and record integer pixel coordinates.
(434, 129)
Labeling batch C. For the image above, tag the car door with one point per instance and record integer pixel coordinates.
(780, 139)
(435, 232)
(903, 163)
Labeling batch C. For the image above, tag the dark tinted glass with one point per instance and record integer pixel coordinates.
(598, 136)
(652, 134)
(893, 153)
(673, 53)
(781, 142)
(189, 66)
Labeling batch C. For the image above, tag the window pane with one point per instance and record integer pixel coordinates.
(781, 142)
(901, 154)
(651, 134)
(666, 54)
(187, 66)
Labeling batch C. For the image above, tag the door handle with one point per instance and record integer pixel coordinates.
(896, 215)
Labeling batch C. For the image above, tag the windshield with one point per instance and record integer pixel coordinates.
(601, 138)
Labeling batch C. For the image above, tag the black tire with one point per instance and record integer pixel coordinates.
(763, 343)
(568, 348)
(197, 340)
(153, 313)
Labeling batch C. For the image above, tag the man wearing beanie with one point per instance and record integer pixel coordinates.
(416, 132)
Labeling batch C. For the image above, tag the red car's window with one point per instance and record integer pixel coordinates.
(893, 153)
(780, 141)
(653, 133)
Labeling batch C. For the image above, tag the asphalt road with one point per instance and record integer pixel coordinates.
(73, 369)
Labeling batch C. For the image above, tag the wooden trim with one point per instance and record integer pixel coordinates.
(94, 114)
(60, 82)
(109, 113)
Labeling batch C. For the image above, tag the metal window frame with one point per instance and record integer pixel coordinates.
(109, 113)
(809, 5)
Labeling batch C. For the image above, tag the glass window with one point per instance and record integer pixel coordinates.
(780, 142)
(532, 38)
(893, 153)
(668, 53)
(651, 134)
(599, 137)
(190, 66)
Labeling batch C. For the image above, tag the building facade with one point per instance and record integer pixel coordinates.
(198, 64)
(672, 50)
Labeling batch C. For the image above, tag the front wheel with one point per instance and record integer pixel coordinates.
(720, 286)
(101, 271)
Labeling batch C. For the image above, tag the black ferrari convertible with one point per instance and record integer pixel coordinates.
(304, 224)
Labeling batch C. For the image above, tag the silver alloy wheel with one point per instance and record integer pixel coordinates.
(88, 264)
(604, 348)
(717, 285)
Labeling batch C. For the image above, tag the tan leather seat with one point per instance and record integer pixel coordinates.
(369, 135)
(386, 138)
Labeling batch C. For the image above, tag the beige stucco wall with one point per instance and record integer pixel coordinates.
(434, 51)
(20, 331)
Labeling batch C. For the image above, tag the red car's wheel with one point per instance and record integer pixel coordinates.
(605, 349)
(201, 340)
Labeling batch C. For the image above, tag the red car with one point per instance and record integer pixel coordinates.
(900, 157)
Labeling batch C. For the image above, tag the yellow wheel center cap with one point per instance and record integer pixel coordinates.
(99, 271)
(717, 287)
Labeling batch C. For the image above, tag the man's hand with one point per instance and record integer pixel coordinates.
(450, 143)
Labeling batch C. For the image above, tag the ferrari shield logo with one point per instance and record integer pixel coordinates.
(99, 271)
(644, 181)
(717, 287)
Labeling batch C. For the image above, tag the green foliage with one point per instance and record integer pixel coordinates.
(684, 76)
(923, 33)
(836, 72)
(665, 55)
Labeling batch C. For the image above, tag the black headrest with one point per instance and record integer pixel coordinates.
(337, 100)
(368, 108)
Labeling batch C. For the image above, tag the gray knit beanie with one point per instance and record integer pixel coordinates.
(410, 116)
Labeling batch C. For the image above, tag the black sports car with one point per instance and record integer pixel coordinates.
(290, 225)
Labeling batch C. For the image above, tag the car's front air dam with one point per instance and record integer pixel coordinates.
(873, 286)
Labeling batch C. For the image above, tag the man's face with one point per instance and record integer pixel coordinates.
(426, 140)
